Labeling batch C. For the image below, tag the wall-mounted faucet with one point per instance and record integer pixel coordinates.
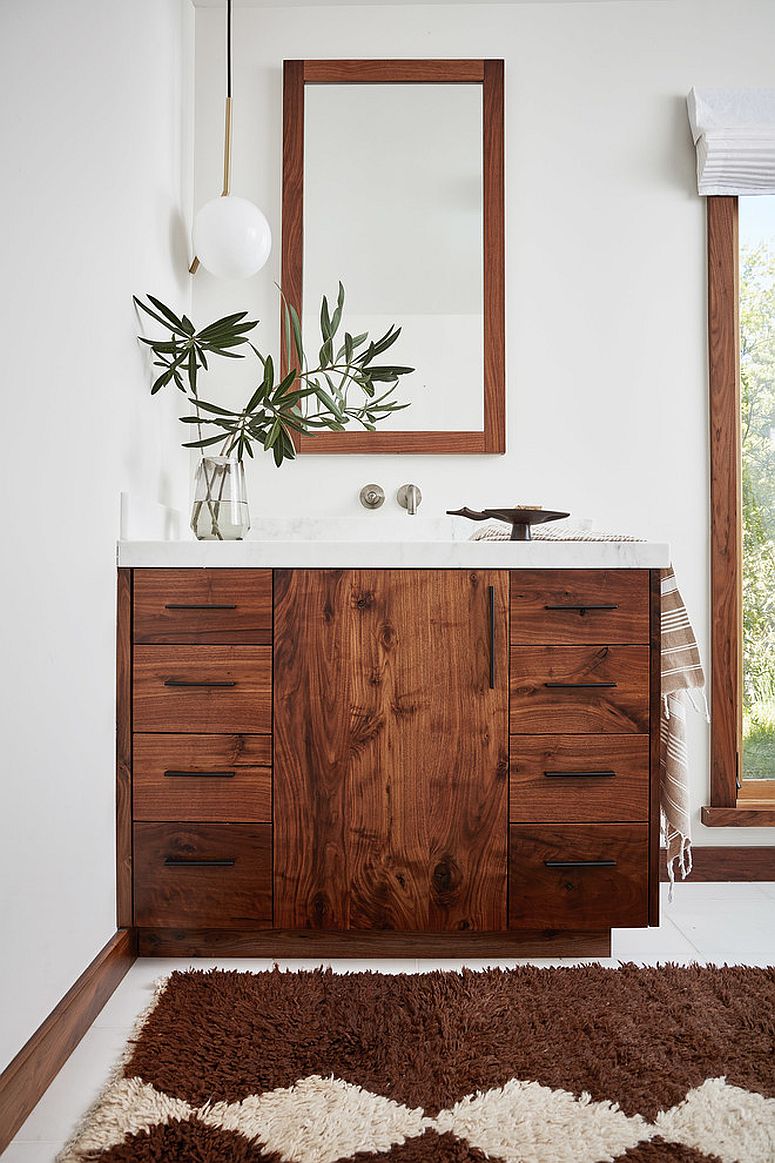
(409, 497)
(372, 496)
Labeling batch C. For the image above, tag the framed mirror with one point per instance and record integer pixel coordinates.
(393, 183)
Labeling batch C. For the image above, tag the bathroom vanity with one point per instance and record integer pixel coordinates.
(451, 751)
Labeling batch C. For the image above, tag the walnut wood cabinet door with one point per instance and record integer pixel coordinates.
(391, 749)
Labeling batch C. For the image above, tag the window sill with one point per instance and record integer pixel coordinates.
(746, 814)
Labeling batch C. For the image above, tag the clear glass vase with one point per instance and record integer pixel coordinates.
(220, 510)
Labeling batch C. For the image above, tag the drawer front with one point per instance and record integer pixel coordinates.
(202, 777)
(579, 689)
(200, 689)
(570, 606)
(579, 778)
(203, 605)
(578, 876)
(205, 876)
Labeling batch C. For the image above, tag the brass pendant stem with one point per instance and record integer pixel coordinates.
(227, 150)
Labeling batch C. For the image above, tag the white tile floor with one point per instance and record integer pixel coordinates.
(719, 923)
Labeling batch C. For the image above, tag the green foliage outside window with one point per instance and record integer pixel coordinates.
(757, 384)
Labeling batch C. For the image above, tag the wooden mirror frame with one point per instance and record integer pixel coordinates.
(488, 74)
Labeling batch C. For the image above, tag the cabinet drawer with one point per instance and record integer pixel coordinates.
(569, 606)
(203, 605)
(202, 777)
(579, 689)
(579, 778)
(203, 688)
(204, 876)
(578, 876)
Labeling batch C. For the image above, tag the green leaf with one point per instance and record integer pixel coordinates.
(160, 382)
(325, 354)
(223, 323)
(139, 303)
(296, 325)
(215, 408)
(269, 374)
(168, 314)
(325, 319)
(204, 443)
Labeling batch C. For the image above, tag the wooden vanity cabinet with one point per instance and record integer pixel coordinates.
(378, 761)
(391, 749)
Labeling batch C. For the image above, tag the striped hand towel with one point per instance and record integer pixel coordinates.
(682, 679)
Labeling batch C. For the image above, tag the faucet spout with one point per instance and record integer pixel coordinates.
(409, 497)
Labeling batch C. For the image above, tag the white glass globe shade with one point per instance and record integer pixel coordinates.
(232, 239)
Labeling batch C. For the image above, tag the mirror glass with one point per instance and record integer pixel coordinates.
(393, 208)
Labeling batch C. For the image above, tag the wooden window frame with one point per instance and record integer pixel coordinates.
(732, 804)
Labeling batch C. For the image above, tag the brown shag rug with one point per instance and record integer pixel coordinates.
(528, 1065)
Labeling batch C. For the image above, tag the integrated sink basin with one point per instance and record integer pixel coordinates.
(375, 527)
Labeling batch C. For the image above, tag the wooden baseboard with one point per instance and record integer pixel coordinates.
(726, 863)
(368, 943)
(27, 1077)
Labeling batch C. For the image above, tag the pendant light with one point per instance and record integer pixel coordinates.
(232, 239)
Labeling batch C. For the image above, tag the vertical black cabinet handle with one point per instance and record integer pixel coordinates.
(491, 609)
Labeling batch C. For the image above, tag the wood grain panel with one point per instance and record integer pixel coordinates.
(370, 943)
(391, 800)
(212, 893)
(213, 606)
(292, 280)
(490, 74)
(494, 272)
(541, 787)
(242, 708)
(235, 780)
(725, 499)
(747, 814)
(724, 863)
(537, 708)
(580, 896)
(655, 741)
(364, 72)
(563, 606)
(28, 1075)
(124, 749)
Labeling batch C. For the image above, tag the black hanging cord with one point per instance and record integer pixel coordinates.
(228, 48)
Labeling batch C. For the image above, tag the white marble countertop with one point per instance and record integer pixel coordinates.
(325, 554)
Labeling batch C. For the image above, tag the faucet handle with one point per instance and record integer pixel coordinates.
(372, 496)
(409, 497)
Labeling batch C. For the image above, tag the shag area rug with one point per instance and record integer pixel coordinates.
(529, 1065)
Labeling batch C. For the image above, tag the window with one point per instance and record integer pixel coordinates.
(757, 440)
(741, 318)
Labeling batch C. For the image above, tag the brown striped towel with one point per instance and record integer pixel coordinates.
(682, 678)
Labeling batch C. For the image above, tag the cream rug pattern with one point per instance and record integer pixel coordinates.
(576, 1065)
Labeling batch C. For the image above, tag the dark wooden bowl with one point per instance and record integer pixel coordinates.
(519, 519)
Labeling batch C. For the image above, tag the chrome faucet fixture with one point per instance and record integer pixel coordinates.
(372, 496)
(409, 497)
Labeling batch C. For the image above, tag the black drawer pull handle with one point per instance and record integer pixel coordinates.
(491, 613)
(173, 862)
(584, 606)
(200, 606)
(563, 685)
(185, 682)
(580, 863)
(199, 774)
(582, 774)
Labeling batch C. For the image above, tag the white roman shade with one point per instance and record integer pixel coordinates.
(734, 132)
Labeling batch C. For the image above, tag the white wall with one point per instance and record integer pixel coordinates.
(95, 99)
(607, 395)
